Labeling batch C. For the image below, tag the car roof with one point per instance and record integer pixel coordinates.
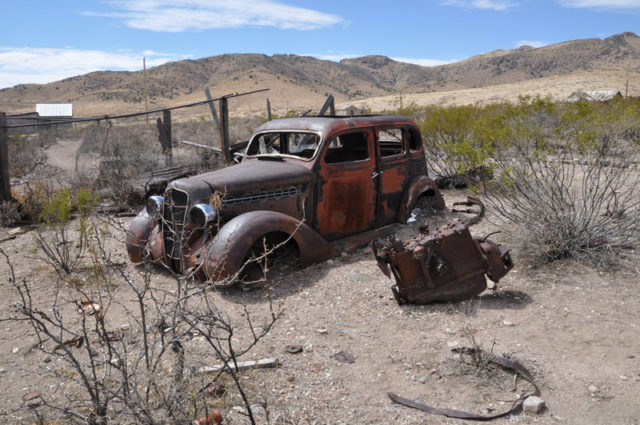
(330, 124)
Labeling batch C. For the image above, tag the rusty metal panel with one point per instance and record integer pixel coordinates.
(445, 265)
(347, 193)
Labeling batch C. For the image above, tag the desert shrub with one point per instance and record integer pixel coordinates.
(152, 370)
(54, 238)
(10, 213)
(200, 131)
(569, 190)
(454, 140)
(26, 155)
(125, 152)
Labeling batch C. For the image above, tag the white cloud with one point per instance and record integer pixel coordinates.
(480, 4)
(23, 65)
(425, 62)
(602, 4)
(334, 57)
(198, 15)
(531, 43)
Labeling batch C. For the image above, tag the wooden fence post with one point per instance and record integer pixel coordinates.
(5, 187)
(268, 110)
(212, 106)
(164, 134)
(224, 129)
(329, 105)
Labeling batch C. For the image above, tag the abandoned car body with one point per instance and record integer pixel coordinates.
(314, 180)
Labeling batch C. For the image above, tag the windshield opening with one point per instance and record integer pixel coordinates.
(301, 145)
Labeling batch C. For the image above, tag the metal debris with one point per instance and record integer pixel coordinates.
(453, 413)
(444, 265)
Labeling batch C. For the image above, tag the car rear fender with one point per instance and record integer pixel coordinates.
(420, 186)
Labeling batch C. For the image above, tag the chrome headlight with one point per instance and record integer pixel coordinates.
(201, 215)
(154, 205)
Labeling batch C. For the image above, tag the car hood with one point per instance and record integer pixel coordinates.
(249, 175)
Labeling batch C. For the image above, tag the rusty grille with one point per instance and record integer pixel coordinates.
(174, 214)
(265, 195)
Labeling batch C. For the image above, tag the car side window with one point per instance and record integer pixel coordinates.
(390, 141)
(347, 148)
(414, 140)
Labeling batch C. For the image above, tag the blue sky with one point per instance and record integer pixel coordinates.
(44, 41)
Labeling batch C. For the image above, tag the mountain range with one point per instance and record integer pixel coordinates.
(295, 81)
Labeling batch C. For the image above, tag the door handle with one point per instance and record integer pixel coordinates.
(374, 175)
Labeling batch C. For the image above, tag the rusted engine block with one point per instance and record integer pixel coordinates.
(445, 265)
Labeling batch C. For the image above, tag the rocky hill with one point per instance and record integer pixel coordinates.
(297, 79)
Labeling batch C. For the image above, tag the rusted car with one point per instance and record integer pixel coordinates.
(322, 183)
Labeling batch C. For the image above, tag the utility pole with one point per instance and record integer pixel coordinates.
(626, 90)
(144, 79)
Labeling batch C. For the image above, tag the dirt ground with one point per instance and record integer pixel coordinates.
(576, 328)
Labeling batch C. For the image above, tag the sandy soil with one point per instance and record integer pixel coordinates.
(557, 88)
(572, 325)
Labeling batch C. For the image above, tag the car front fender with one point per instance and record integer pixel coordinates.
(224, 256)
(138, 236)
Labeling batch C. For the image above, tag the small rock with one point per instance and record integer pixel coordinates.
(47, 359)
(344, 357)
(322, 331)
(2, 370)
(330, 262)
(257, 410)
(344, 254)
(293, 349)
(15, 350)
(368, 250)
(31, 395)
(507, 323)
(593, 389)
(452, 343)
(533, 404)
(125, 327)
(491, 285)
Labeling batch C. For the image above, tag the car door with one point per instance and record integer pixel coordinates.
(394, 176)
(346, 192)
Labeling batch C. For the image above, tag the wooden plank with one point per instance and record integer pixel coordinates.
(198, 145)
(268, 110)
(5, 188)
(329, 105)
(251, 364)
(224, 129)
(212, 106)
(164, 134)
